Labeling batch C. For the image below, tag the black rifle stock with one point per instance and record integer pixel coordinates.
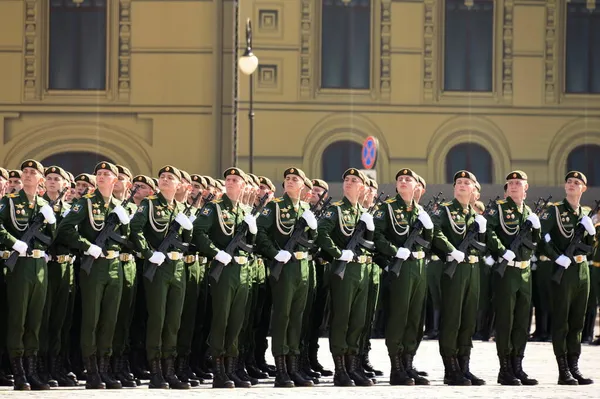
(470, 240)
(521, 239)
(238, 240)
(172, 239)
(357, 240)
(296, 237)
(108, 232)
(33, 232)
(575, 244)
(414, 237)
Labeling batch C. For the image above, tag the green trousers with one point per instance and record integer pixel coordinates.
(405, 307)
(348, 308)
(512, 304)
(194, 275)
(460, 296)
(121, 342)
(26, 289)
(289, 300)
(203, 312)
(435, 269)
(569, 302)
(60, 281)
(485, 290)
(595, 284)
(245, 335)
(308, 313)
(164, 298)
(229, 296)
(372, 301)
(100, 300)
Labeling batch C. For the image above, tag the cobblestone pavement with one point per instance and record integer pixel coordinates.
(539, 363)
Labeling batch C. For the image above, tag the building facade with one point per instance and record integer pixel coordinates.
(485, 85)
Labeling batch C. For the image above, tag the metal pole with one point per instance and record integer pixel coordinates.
(251, 121)
(236, 23)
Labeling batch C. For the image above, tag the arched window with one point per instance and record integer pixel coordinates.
(76, 162)
(338, 157)
(586, 159)
(471, 157)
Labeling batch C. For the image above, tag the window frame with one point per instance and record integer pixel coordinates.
(590, 158)
(464, 144)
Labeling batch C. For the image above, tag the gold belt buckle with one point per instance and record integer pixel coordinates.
(61, 259)
(241, 260)
(299, 255)
(5, 254)
(435, 257)
(36, 253)
(361, 259)
(579, 258)
(369, 259)
(189, 259)
(473, 259)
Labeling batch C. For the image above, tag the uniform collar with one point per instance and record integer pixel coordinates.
(400, 201)
(569, 208)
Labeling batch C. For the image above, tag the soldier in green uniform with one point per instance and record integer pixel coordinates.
(60, 282)
(15, 184)
(595, 271)
(569, 298)
(276, 225)
(27, 283)
(348, 295)
(460, 294)
(512, 300)
(101, 288)
(4, 380)
(407, 291)
(214, 228)
(165, 291)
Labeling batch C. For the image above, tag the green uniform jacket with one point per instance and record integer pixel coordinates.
(336, 228)
(216, 226)
(15, 214)
(276, 224)
(151, 223)
(393, 223)
(61, 209)
(558, 221)
(85, 220)
(503, 225)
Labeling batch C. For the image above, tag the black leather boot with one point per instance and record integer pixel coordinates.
(93, 380)
(127, 370)
(367, 366)
(55, 370)
(564, 374)
(65, 368)
(196, 366)
(464, 361)
(119, 373)
(220, 377)
(170, 375)
(43, 373)
(316, 366)
(282, 378)
(304, 365)
(407, 360)
(20, 381)
(138, 365)
(261, 362)
(340, 376)
(398, 374)
(230, 368)
(106, 375)
(517, 368)
(352, 367)
(241, 372)
(184, 371)
(252, 367)
(505, 375)
(4, 380)
(31, 371)
(573, 361)
(157, 380)
(453, 374)
(294, 372)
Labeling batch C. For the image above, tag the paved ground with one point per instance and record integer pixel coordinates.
(539, 363)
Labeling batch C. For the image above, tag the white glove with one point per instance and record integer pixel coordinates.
(310, 218)
(223, 257)
(489, 261)
(534, 266)
(509, 255)
(535, 220)
(184, 221)
(459, 256)
(480, 220)
(563, 261)
(283, 256)
(346, 256)
(547, 237)
(251, 222)
(47, 257)
(368, 219)
(94, 250)
(48, 213)
(425, 220)
(192, 218)
(122, 214)
(158, 258)
(586, 222)
(534, 259)
(403, 253)
(20, 247)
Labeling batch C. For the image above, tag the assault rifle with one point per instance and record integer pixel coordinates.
(296, 237)
(521, 239)
(357, 240)
(238, 240)
(108, 232)
(575, 244)
(33, 233)
(415, 236)
(172, 239)
(470, 240)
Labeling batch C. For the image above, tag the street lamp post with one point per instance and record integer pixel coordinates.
(248, 64)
